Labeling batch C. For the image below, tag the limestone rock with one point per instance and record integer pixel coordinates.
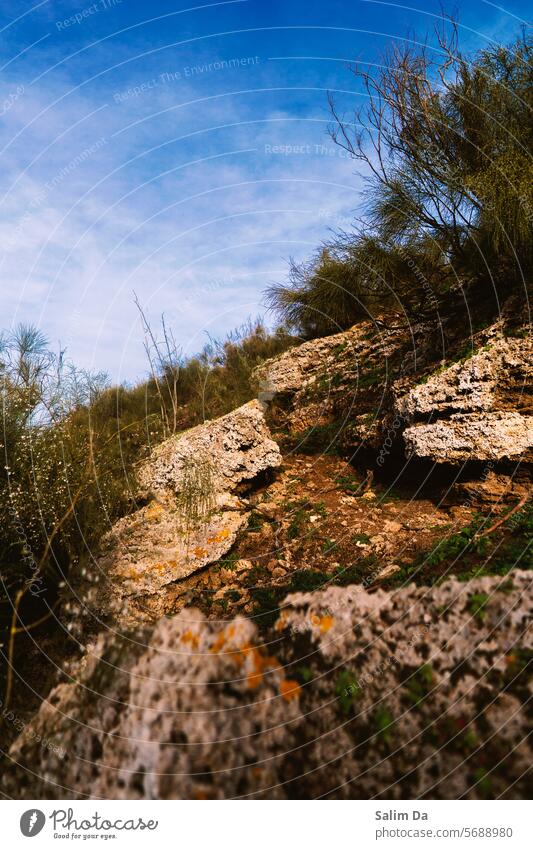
(475, 410)
(334, 378)
(292, 370)
(498, 377)
(237, 446)
(492, 489)
(418, 693)
(192, 517)
(490, 436)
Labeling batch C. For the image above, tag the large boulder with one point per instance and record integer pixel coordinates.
(491, 436)
(332, 362)
(498, 377)
(237, 447)
(478, 409)
(300, 366)
(418, 693)
(193, 485)
(338, 379)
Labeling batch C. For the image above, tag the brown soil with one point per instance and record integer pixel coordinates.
(319, 515)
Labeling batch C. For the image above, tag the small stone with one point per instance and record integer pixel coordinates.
(269, 509)
(387, 571)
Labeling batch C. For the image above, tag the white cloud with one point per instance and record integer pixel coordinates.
(198, 227)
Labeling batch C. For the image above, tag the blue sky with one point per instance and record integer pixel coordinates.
(179, 150)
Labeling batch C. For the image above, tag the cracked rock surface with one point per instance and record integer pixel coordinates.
(499, 377)
(490, 436)
(161, 542)
(417, 693)
(478, 409)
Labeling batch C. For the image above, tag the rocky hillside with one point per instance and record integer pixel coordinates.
(323, 593)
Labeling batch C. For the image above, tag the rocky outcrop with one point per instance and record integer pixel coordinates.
(235, 448)
(499, 377)
(194, 485)
(478, 409)
(340, 378)
(420, 693)
(492, 436)
(293, 370)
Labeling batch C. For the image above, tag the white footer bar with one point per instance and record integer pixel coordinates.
(268, 824)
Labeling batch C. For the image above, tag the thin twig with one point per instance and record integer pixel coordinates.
(505, 518)
(11, 647)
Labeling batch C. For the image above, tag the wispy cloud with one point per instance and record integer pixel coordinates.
(168, 159)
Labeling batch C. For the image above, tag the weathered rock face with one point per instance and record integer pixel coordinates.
(482, 408)
(237, 447)
(338, 378)
(417, 693)
(334, 360)
(491, 436)
(478, 409)
(192, 517)
(499, 377)
(292, 371)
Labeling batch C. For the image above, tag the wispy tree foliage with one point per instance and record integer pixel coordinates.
(446, 143)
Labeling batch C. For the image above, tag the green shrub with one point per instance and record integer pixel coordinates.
(446, 139)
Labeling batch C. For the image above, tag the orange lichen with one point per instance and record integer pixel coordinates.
(199, 551)
(254, 679)
(219, 537)
(280, 624)
(222, 639)
(189, 637)
(219, 643)
(272, 663)
(289, 689)
(167, 564)
(153, 512)
(325, 623)
(237, 656)
(260, 663)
